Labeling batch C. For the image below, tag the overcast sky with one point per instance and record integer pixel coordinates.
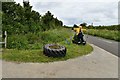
(98, 12)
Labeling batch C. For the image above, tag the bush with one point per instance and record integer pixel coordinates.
(112, 27)
(37, 40)
(17, 41)
(32, 38)
(108, 34)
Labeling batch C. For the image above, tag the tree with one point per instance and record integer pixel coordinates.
(84, 24)
(23, 19)
(49, 22)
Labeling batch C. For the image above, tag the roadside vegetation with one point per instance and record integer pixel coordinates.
(38, 40)
(34, 52)
(37, 55)
(28, 32)
(109, 32)
(26, 27)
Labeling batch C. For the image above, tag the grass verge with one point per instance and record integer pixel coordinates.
(73, 51)
(108, 34)
(29, 47)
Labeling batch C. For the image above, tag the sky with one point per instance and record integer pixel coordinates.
(98, 12)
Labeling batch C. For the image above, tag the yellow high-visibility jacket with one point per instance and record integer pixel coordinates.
(79, 29)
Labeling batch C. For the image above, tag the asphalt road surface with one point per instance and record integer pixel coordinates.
(108, 45)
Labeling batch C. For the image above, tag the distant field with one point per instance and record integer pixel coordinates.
(108, 34)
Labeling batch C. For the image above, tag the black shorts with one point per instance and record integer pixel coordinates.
(80, 35)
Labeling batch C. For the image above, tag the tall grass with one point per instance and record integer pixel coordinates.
(108, 34)
(31, 46)
(55, 35)
(37, 40)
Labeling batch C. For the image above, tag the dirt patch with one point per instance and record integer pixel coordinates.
(54, 46)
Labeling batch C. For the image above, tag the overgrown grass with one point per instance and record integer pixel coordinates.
(73, 51)
(108, 34)
(31, 50)
(1, 56)
(37, 40)
(55, 35)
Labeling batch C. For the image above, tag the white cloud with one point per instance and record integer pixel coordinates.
(99, 12)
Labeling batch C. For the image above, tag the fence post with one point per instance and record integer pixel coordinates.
(5, 39)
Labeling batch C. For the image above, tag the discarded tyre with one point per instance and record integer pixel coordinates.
(54, 50)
